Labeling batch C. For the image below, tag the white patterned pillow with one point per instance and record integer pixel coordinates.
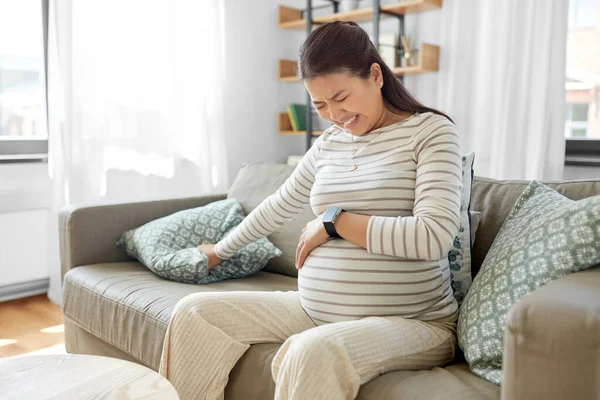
(459, 256)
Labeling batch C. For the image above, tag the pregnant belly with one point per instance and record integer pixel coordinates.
(341, 281)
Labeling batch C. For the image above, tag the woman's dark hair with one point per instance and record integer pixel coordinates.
(343, 46)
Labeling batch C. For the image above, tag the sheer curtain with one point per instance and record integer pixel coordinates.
(502, 78)
(135, 105)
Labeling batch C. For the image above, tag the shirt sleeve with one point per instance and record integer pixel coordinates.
(277, 209)
(428, 234)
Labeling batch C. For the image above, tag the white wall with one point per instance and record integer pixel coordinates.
(24, 187)
(253, 94)
(24, 202)
(23, 246)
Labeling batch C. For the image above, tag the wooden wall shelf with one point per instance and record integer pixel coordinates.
(429, 59)
(291, 18)
(284, 126)
(287, 71)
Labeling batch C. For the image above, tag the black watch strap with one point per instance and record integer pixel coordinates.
(330, 229)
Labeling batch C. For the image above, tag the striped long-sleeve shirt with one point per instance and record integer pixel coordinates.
(409, 180)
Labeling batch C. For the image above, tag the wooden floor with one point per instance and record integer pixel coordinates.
(31, 325)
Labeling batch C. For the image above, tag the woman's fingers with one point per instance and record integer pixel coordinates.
(299, 248)
(301, 257)
(302, 253)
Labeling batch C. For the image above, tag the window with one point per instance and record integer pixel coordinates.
(582, 120)
(23, 125)
(577, 120)
(582, 14)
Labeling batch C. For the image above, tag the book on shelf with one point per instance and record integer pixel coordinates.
(297, 114)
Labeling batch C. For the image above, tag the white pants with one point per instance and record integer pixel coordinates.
(209, 332)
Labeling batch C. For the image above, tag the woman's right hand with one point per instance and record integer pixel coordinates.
(209, 250)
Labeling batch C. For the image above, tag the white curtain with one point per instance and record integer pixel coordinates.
(135, 105)
(502, 78)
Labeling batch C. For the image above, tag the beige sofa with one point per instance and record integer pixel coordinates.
(115, 307)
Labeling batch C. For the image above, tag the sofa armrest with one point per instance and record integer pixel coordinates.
(89, 233)
(552, 341)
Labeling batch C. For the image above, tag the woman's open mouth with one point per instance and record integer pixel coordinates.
(352, 122)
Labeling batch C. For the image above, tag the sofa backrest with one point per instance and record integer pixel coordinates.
(254, 183)
(494, 199)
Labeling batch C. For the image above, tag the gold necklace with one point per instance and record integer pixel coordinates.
(354, 165)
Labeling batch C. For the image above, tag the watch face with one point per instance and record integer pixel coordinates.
(330, 214)
(328, 219)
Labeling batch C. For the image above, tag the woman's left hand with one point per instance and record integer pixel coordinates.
(313, 235)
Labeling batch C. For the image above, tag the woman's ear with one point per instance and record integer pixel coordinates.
(376, 73)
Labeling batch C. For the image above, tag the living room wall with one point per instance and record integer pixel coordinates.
(253, 94)
(24, 202)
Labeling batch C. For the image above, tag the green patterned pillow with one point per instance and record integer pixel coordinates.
(545, 237)
(167, 246)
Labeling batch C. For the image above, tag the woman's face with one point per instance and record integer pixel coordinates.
(350, 102)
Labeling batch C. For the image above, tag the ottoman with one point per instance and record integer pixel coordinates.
(80, 377)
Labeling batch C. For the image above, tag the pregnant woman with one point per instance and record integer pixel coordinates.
(385, 182)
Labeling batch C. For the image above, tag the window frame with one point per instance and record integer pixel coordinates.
(22, 150)
(582, 152)
(30, 149)
(570, 125)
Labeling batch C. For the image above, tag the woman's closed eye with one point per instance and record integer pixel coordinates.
(337, 101)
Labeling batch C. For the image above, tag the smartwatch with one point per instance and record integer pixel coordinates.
(329, 218)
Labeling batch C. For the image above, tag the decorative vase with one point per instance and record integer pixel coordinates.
(349, 5)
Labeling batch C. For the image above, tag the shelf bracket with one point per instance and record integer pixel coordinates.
(377, 11)
(334, 3)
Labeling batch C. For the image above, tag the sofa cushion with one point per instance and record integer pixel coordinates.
(455, 382)
(254, 183)
(475, 220)
(496, 198)
(167, 245)
(129, 307)
(545, 236)
(251, 379)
